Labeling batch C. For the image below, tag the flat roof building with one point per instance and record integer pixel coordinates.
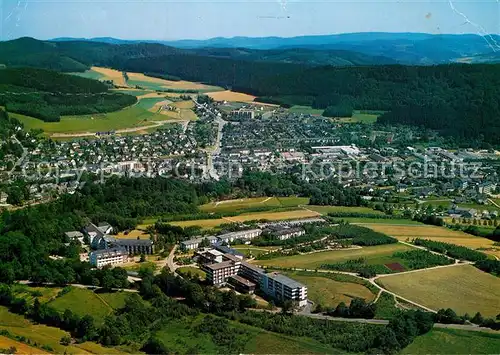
(103, 257)
(195, 242)
(283, 288)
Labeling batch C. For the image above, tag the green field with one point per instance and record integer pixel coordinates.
(463, 288)
(256, 202)
(250, 250)
(453, 341)
(17, 325)
(115, 300)
(342, 209)
(181, 337)
(90, 74)
(376, 255)
(82, 302)
(306, 110)
(134, 116)
(193, 270)
(132, 91)
(331, 289)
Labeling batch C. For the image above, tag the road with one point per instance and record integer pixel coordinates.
(212, 172)
(21, 159)
(170, 261)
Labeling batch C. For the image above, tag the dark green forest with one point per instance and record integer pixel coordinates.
(47, 94)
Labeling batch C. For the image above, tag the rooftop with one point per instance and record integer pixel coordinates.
(104, 253)
(243, 281)
(144, 242)
(222, 265)
(282, 279)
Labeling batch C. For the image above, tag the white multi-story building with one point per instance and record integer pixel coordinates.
(195, 243)
(283, 288)
(102, 257)
(243, 235)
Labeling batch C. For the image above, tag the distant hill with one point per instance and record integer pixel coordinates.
(403, 48)
(69, 55)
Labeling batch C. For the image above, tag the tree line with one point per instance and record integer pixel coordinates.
(47, 95)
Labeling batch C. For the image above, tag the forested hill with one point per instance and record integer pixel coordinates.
(77, 56)
(47, 94)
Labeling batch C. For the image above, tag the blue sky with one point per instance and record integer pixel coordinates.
(182, 19)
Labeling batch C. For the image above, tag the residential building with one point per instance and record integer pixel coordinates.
(241, 284)
(283, 288)
(286, 233)
(195, 243)
(135, 246)
(218, 273)
(103, 257)
(244, 235)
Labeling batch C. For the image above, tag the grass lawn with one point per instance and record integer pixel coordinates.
(133, 234)
(441, 234)
(453, 341)
(324, 289)
(193, 271)
(380, 254)
(253, 250)
(114, 299)
(343, 209)
(464, 288)
(30, 293)
(359, 117)
(386, 307)
(90, 74)
(132, 92)
(82, 302)
(6, 343)
(272, 216)
(133, 116)
(255, 202)
(41, 334)
(380, 221)
(181, 337)
(306, 110)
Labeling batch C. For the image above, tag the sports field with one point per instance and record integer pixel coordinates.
(463, 288)
(376, 255)
(441, 234)
(229, 95)
(306, 110)
(245, 203)
(453, 341)
(329, 292)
